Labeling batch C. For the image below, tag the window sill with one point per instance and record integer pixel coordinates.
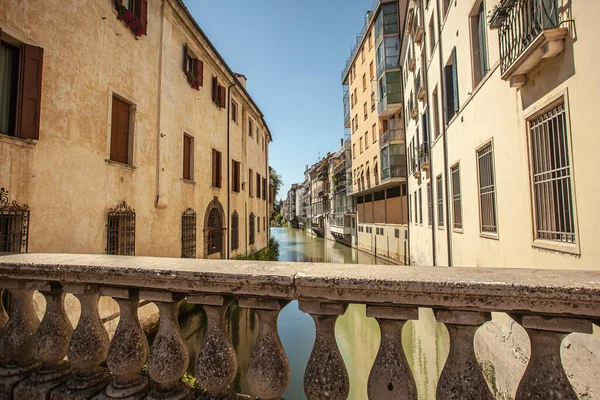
(17, 141)
(441, 228)
(556, 246)
(457, 230)
(215, 187)
(119, 164)
(188, 181)
(489, 236)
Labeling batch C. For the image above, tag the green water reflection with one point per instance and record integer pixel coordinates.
(425, 341)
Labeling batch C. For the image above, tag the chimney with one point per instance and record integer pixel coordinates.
(242, 79)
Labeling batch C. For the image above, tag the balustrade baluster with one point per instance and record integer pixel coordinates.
(50, 345)
(87, 349)
(462, 377)
(269, 368)
(326, 376)
(545, 378)
(169, 356)
(128, 349)
(3, 314)
(391, 377)
(216, 366)
(16, 338)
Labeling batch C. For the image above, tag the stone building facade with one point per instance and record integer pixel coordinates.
(125, 132)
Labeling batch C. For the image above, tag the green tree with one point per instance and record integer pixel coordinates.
(276, 181)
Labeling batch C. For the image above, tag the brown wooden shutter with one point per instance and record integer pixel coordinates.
(187, 164)
(215, 89)
(29, 115)
(118, 3)
(119, 137)
(195, 67)
(143, 15)
(222, 96)
(200, 74)
(214, 168)
(185, 57)
(219, 169)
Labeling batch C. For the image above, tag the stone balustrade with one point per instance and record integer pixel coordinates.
(48, 359)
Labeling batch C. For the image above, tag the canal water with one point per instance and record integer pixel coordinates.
(425, 341)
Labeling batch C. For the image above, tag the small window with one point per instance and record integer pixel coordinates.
(250, 183)
(236, 170)
(214, 232)
(361, 145)
(257, 185)
(487, 190)
(421, 206)
(14, 225)
(217, 168)
(373, 134)
(436, 114)
(251, 229)
(370, 40)
(445, 6)
(364, 82)
(440, 201)
(372, 101)
(218, 93)
(235, 231)
(121, 135)
(451, 100)
(134, 14)
(188, 157)
(121, 230)
(429, 206)
(250, 127)
(479, 43)
(366, 139)
(353, 150)
(264, 188)
(431, 36)
(365, 110)
(409, 208)
(371, 71)
(234, 111)
(257, 224)
(193, 68)
(362, 54)
(188, 234)
(456, 205)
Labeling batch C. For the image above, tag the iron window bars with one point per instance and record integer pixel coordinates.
(121, 230)
(188, 234)
(14, 225)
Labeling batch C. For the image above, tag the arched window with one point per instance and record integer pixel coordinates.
(121, 230)
(251, 228)
(235, 231)
(214, 228)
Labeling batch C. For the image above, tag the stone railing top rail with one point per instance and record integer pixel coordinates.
(552, 292)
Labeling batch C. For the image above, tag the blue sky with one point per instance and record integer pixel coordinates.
(292, 53)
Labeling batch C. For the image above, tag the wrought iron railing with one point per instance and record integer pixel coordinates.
(520, 22)
(423, 154)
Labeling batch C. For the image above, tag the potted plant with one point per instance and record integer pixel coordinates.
(131, 21)
(193, 80)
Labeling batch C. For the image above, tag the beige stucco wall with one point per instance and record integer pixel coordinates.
(64, 176)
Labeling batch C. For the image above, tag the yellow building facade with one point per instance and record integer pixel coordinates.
(125, 132)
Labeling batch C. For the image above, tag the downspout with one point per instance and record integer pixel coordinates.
(228, 169)
(442, 83)
(158, 202)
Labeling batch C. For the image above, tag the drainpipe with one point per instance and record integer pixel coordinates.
(158, 202)
(445, 143)
(228, 169)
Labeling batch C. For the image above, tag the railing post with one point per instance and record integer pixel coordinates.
(50, 345)
(128, 349)
(462, 377)
(269, 368)
(169, 356)
(326, 376)
(216, 366)
(87, 348)
(545, 377)
(16, 338)
(391, 377)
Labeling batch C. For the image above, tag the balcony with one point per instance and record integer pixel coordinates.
(423, 156)
(394, 171)
(417, 28)
(346, 107)
(420, 86)
(341, 223)
(412, 61)
(390, 94)
(529, 31)
(413, 107)
(395, 132)
(48, 359)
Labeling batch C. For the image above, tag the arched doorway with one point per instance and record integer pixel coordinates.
(214, 231)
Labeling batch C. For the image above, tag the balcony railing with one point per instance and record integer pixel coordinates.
(48, 359)
(423, 155)
(394, 171)
(394, 132)
(529, 30)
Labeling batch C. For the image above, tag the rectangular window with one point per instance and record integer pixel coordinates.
(193, 68)
(364, 82)
(409, 209)
(456, 206)
(371, 71)
(416, 215)
(365, 111)
(120, 131)
(235, 231)
(216, 168)
(188, 234)
(451, 100)
(236, 168)
(139, 8)
(366, 139)
(436, 114)
(372, 101)
(373, 128)
(218, 93)
(251, 229)
(257, 185)
(121, 230)
(429, 205)
(234, 111)
(440, 201)
(445, 6)
(250, 127)
(420, 206)
(250, 183)
(264, 188)
(361, 145)
(487, 190)
(188, 157)
(431, 36)
(479, 43)
(14, 225)
(353, 150)
(551, 176)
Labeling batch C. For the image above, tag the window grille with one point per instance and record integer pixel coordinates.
(188, 234)
(429, 205)
(215, 231)
(14, 225)
(551, 170)
(251, 228)
(456, 206)
(440, 201)
(121, 230)
(235, 231)
(487, 190)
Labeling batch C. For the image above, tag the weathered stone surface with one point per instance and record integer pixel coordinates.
(3, 314)
(16, 338)
(30, 390)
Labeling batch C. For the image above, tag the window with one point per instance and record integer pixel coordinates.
(257, 135)
(353, 150)
(216, 169)
(451, 103)
(487, 190)
(214, 232)
(188, 157)
(188, 234)
(373, 133)
(371, 71)
(366, 139)
(264, 188)
(250, 127)
(257, 185)
(356, 122)
(361, 145)
(365, 110)
(139, 8)
(456, 206)
(121, 138)
(372, 101)
(218, 93)
(14, 225)
(416, 215)
(431, 36)
(234, 111)
(352, 102)
(409, 209)
(445, 6)
(479, 43)
(193, 68)
(20, 88)
(250, 183)
(251, 229)
(235, 231)
(362, 54)
(364, 82)
(370, 40)
(436, 114)
(420, 206)
(429, 205)
(440, 201)
(121, 230)
(236, 170)
(352, 125)
(355, 97)
(551, 176)
(258, 224)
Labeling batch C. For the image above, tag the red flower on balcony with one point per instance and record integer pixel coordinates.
(193, 80)
(131, 21)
